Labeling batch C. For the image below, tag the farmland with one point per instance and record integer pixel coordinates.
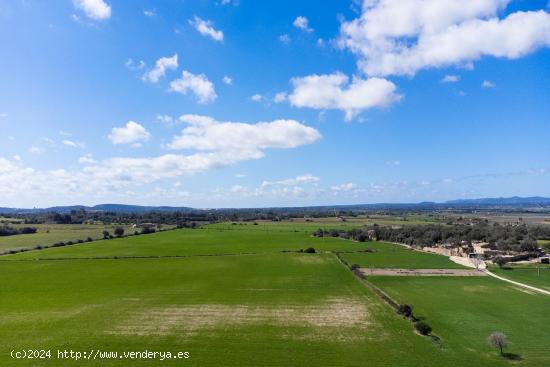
(49, 234)
(243, 295)
(464, 311)
(388, 255)
(534, 275)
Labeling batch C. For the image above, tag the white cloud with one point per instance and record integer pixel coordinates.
(16, 157)
(450, 79)
(3, 115)
(344, 187)
(161, 65)
(87, 159)
(197, 84)
(130, 134)
(302, 23)
(205, 28)
(284, 38)
(47, 140)
(393, 37)
(134, 65)
(488, 84)
(65, 133)
(227, 80)
(72, 144)
(241, 139)
(298, 180)
(257, 97)
(35, 150)
(166, 119)
(149, 12)
(94, 9)
(280, 97)
(334, 91)
(393, 163)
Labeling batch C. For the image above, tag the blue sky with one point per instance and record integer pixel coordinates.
(246, 103)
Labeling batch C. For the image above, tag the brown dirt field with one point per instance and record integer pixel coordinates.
(422, 272)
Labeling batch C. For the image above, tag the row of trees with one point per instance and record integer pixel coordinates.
(500, 237)
(6, 230)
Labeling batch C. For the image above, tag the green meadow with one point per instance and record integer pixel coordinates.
(535, 275)
(240, 295)
(388, 255)
(49, 234)
(463, 311)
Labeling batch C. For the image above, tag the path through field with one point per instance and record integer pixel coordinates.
(518, 283)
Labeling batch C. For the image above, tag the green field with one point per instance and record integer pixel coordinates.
(203, 241)
(230, 296)
(534, 275)
(49, 234)
(387, 255)
(464, 311)
(249, 310)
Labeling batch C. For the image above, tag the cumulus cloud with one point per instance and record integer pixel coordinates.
(159, 70)
(280, 97)
(197, 84)
(334, 91)
(227, 80)
(302, 23)
(94, 9)
(488, 84)
(131, 133)
(257, 97)
(344, 187)
(149, 12)
(241, 139)
(450, 79)
(87, 159)
(393, 37)
(134, 65)
(205, 28)
(284, 38)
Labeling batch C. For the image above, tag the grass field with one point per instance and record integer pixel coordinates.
(255, 306)
(48, 234)
(464, 311)
(388, 255)
(535, 275)
(249, 310)
(203, 241)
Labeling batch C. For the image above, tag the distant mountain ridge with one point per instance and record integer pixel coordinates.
(459, 203)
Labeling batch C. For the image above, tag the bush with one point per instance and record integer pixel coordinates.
(405, 310)
(119, 231)
(354, 266)
(309, 250)
(89, 239)
(423, 328)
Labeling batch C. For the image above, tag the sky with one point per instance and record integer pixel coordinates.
(242, 103)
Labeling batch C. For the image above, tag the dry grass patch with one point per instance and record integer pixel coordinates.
(190, 319)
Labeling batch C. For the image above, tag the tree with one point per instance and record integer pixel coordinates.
(106, 235)
(119, 231)
(423, 328)
(498, 340)
(500, 261)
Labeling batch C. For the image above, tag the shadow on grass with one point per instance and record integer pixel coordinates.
(512, 356)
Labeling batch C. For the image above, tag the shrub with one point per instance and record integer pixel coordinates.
(119, 231)
(423, 328)
(405, 310)
(80, 241)
(354, 266)
(89, 239)
(309, 250)
(106, 235)
(69, 243)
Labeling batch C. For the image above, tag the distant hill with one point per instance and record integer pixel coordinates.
(519, 202)
(515, 200)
